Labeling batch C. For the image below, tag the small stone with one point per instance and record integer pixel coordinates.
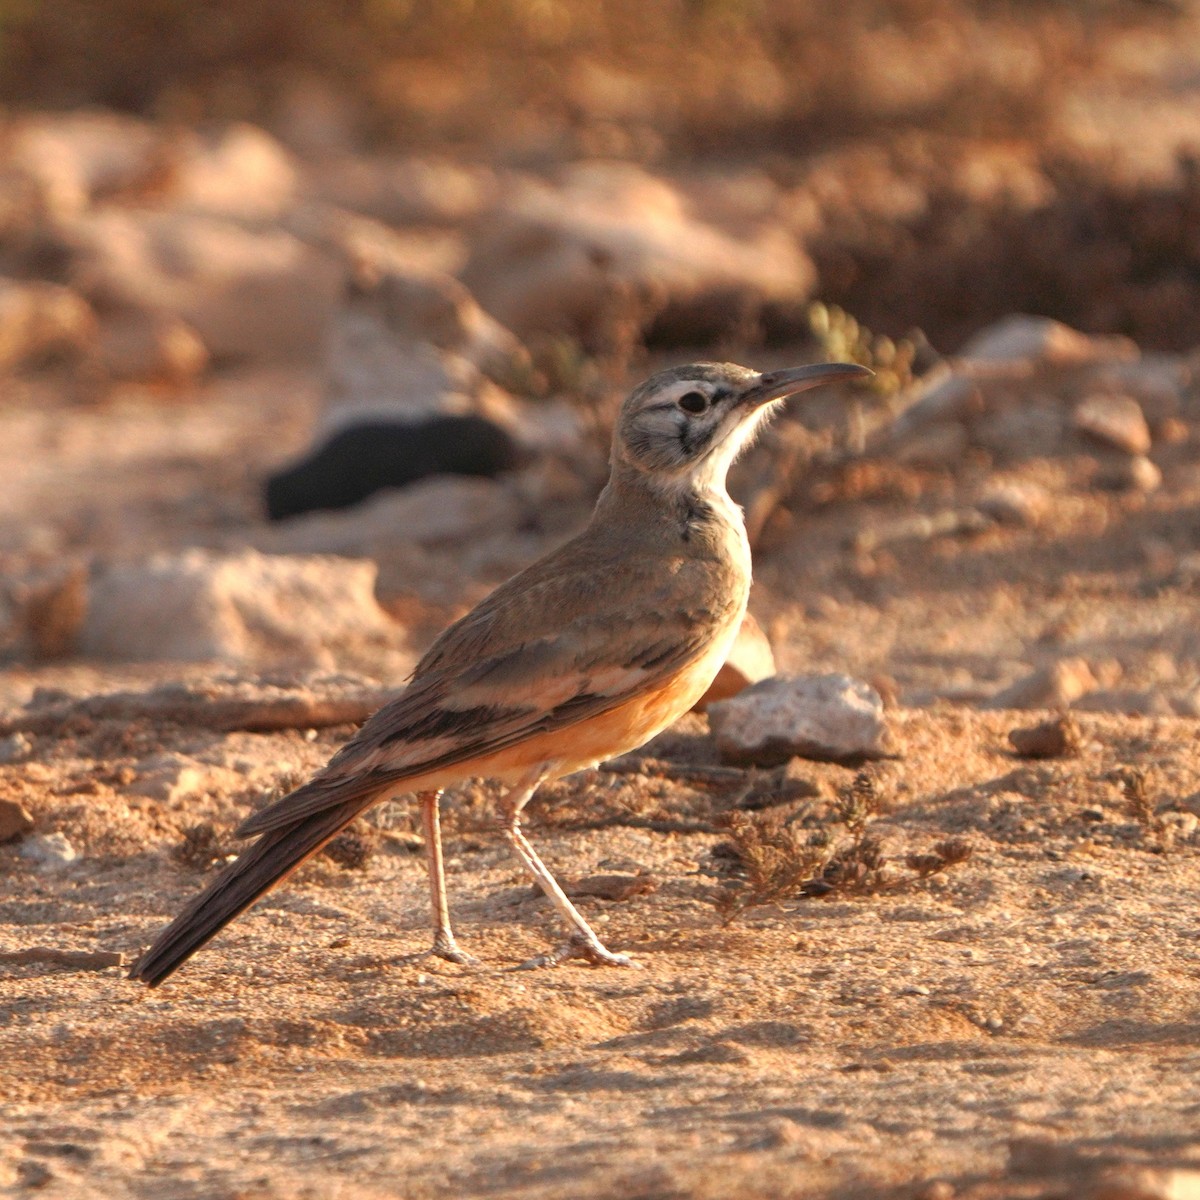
(15, 822)
(1056, 686)
(168, 778)
(824, 717)
(1057, 738)
(750, 660)
(1136, 474)
(49, 850)
(14, 748)
(1015, 502)
(1114, 420)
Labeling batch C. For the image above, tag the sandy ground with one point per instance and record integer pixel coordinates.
(1023, 1025)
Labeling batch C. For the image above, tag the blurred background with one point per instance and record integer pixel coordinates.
(367, 280)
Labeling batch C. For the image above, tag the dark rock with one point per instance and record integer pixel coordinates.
(361, 460)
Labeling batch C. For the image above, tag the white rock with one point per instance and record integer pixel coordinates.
(247, 607)
(564, 257)
(239, 171)
(1020, 338)
(48, 850)
(1115, 420)
(250, 294)
(40, 322)
(825, 717)
(436, 511)
(750, 660)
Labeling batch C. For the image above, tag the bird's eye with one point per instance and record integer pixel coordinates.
(693, 402)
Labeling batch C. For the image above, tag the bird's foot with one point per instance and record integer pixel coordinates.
(578, 945)
(444, 947)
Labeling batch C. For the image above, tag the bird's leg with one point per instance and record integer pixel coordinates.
(444, 945)
(583, 943)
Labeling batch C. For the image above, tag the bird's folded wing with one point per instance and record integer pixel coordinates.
(589, 666)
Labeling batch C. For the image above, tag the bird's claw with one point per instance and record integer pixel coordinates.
(591, 950)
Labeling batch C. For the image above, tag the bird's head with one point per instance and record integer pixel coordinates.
(683, 427)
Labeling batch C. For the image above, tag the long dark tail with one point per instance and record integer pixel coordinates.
(271, 859)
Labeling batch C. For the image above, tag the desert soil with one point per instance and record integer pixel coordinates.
(1024, 1024)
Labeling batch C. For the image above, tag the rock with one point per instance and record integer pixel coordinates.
(361, 460)
(250, 294)
(825, 717)
(1157, 381)
(1135, 474)
(1040, 340)
(42, 322)
(168, 778)
(432, 512)
(15, 821)
(14, 748)
(48, 850)
(247, 607)
(1056, 686)
(239, 171)
(1114, 420)
(1059, 737)
(1017, 502)
(750, 660)
(390, 304)
(608, 242)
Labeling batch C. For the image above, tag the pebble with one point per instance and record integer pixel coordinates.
(49, 850)
(1056, 686)
(15, 747)
(1115, 420)
(1135, 474)
(824, 717)
(1055, 738)
(1015, 502)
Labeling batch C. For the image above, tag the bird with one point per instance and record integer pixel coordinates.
(582, 656)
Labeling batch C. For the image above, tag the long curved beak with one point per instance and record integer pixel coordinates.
(775, 385)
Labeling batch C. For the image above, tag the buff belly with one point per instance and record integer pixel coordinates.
(615, 732)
